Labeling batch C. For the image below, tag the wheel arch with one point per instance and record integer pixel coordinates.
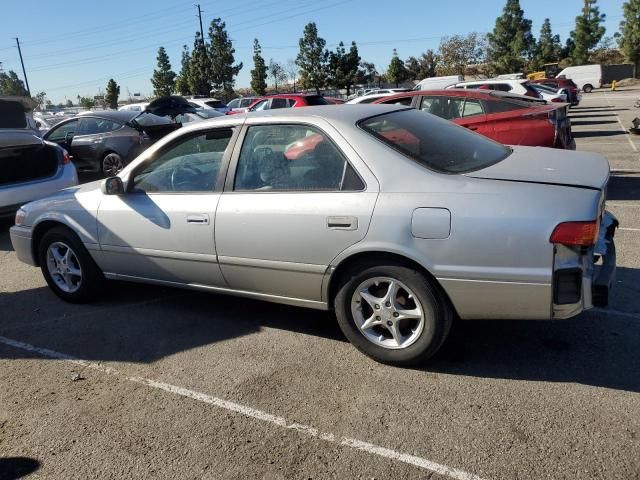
(377, 256)
(41, 228)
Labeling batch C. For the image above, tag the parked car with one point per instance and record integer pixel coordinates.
(286, 100)
(136, 107)
(586, 77)
(436, 83)
(549, 94)
(198, 116)
(334, 100)
(30, 168)
(241, 104)
(106, 141)
(507, 118)
(397, 221)
(369, 98)
(562, 83)
(209, 103)
(521, 87)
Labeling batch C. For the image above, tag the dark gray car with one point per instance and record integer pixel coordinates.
(107, 141)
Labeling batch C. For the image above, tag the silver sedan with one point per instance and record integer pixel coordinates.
(396, 220)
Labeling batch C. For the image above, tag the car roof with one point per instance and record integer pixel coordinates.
(471, 93)
(290, 95)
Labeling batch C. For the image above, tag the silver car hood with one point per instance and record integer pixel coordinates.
(549, 166)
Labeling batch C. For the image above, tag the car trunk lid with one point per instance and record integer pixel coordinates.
(549, 166)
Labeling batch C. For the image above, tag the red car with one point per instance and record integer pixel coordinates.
(507, 118)
(564, 83)
(285, 100)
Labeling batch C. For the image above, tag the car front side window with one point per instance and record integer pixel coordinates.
(59, 133)
(193, 164)
(292, 158)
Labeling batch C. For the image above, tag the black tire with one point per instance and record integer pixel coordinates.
(111, 164)
(91, 278)
(588, 88)
(437, 318)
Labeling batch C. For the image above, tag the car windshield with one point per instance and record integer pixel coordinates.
(435, 143)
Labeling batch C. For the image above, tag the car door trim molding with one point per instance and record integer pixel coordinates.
(149, 252)
(273, 265)
(296, 302)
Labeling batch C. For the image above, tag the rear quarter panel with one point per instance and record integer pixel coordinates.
(521, 130)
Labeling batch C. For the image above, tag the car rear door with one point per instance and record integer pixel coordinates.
(287, 210)
(88, 140)
(162, 228)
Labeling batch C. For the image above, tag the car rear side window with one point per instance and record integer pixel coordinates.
(292, 158)
(280, 103)
(435, 143)
(499, 106)
(316, 100)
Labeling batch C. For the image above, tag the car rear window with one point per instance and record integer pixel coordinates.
(435, 143)
(499, 106)
(12, 115)
(316, 100)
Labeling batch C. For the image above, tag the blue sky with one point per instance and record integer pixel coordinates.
(73, 47)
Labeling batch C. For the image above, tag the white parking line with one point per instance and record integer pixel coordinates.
(625, 229)
(253, 413)
(633, 145)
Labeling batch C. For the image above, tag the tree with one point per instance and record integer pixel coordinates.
(588, 32)
(456, 53)
(10, 84)
(605, 53)
(69, 104)
(276, 71)
(367, 73)
(199, 68)
(312, 58)
(629, 40)
(40, 100)
(412, 66)
(221, 54)
(182, 81)
(111, 94)
(86, 102)
(259, 72)
(428, 64)
(548, 48)
(511, 42)
(343, 66)
(292, 72)
(164, 79)
(396, 73)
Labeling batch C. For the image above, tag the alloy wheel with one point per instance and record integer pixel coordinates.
(64, 267)
(111, 165)
(387, 312)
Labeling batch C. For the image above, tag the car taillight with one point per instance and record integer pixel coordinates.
(575, 234)
(556, 100)
(66, 158)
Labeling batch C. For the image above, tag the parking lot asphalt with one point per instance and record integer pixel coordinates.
(153, 382)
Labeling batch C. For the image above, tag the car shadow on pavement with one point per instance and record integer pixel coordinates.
(5, 241)
(13, 468)
(598, 133)
(624, 187)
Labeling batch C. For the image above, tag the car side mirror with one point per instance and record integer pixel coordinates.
(113, 186)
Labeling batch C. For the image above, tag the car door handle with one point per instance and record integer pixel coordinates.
(342, 223)
(198, 219)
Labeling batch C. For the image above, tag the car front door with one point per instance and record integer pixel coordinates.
(62, 134)
(162, 228)
(292, 202)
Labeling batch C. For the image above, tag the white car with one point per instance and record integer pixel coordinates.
(519, 86)
(30, 167)
(209, 104)
(369, 98)
(550, 94)
(136, 107)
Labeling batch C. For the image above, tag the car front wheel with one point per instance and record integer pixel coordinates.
(67, 266)
(393, 314)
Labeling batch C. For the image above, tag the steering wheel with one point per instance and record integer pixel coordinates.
(183, 176)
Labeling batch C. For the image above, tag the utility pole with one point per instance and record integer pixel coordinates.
(24, 72)
(200, 18)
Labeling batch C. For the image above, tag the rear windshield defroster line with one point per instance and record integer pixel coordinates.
(435, 143)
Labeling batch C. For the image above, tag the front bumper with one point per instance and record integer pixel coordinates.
(21, 241)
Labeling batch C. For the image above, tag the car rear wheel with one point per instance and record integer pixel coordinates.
(67, 266)
(587, 88)
(393, 314)
(111, 164)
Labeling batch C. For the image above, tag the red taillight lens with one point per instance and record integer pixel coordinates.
(556, 100)
(66, 158)
(576, 234)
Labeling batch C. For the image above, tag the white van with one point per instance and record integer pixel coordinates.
(586, 77)
(438, 83)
